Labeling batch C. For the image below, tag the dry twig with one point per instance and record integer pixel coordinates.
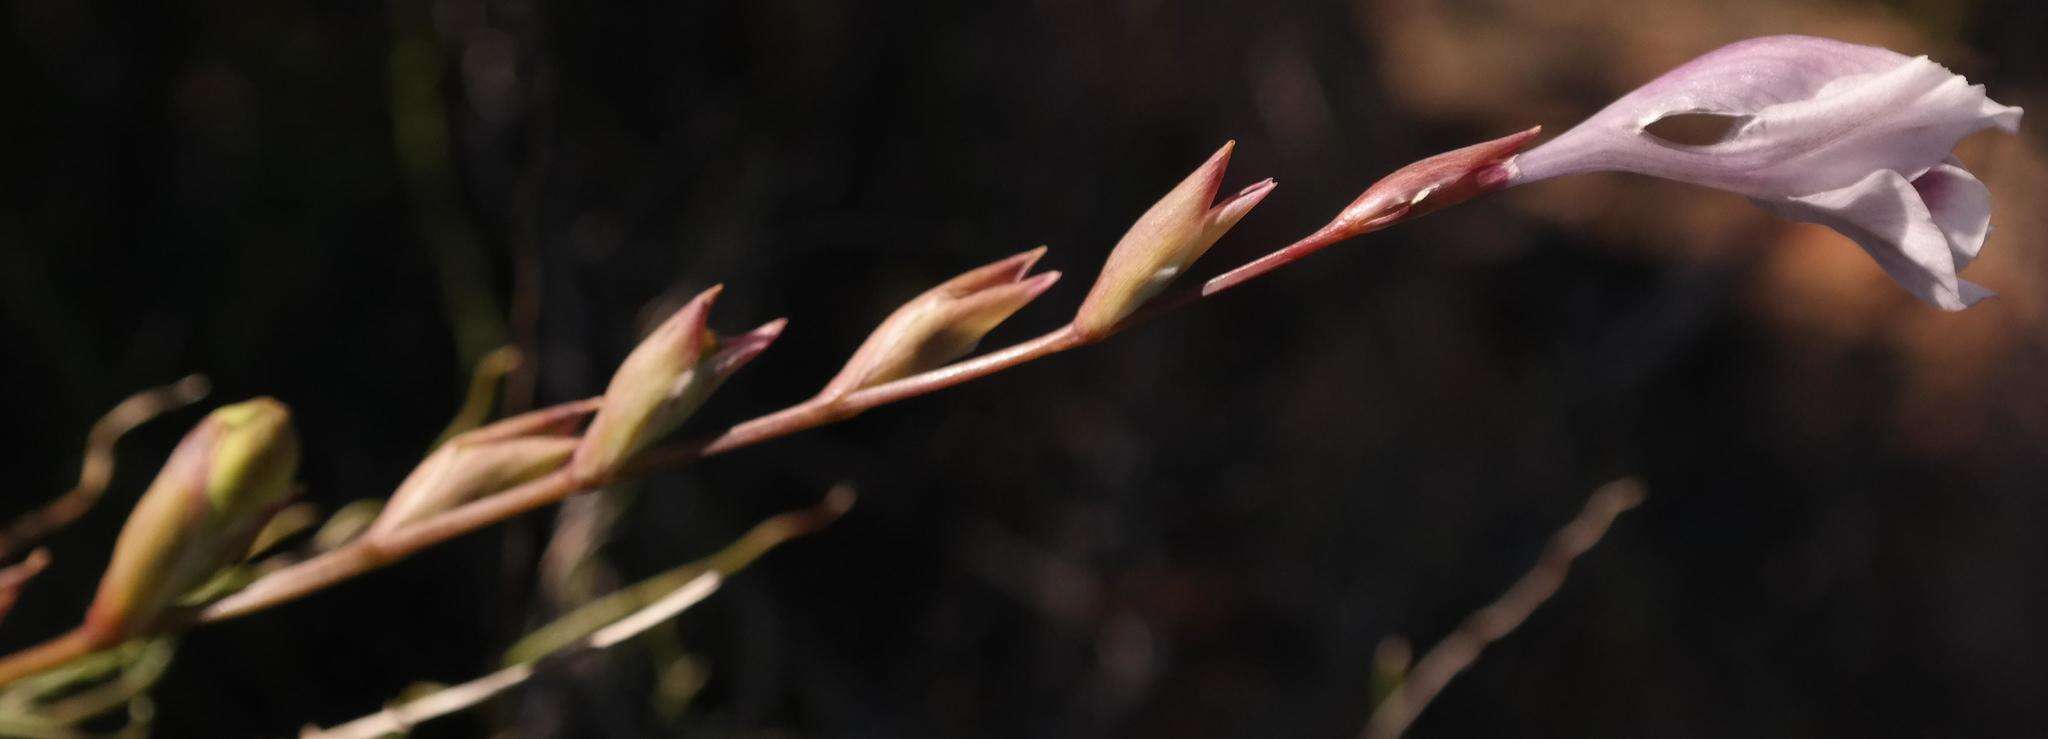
(1456, 652)
(16, 576)
(98, 469)
(602, 624)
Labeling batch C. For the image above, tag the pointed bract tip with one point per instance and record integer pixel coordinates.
(1002, 271)
(683, 327)
(735, 352)
(700, 304)
(1207, 179)
(761, 336)
(1037, 284)
(1231, 209)
(1219, 161)
(771, 329)
(705, 299)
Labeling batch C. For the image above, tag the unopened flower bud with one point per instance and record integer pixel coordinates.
(483, 461)
(943, 324)
(1433, 184)
(662, 382)
(221, 484)
(1426, 186)
(1164, 242)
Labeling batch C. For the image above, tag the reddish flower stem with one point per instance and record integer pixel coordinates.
(373, 552)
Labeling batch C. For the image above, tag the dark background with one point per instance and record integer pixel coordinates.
(1203, 528)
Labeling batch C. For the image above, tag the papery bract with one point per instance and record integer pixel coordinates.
(662, 382)
(942, 324)
(1164, 241)
(222, 482)
(486, 460)
(1853, 137)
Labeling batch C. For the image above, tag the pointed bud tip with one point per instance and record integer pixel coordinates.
(735, 352)
(1211, 172)
(1234, 208)
(1025, 261)
(682, 330)
(1222, 156)
(758, 339)
(1013, 267)
(701, 304)
(994, 274)
(1037, 284)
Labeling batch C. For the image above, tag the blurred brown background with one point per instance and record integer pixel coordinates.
(1201, 529)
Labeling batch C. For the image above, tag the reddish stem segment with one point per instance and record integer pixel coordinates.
(1286, 255)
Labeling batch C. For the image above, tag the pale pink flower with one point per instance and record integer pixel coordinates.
(1856, 138)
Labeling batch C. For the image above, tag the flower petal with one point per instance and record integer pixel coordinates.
(1818, 115)
(1961, 207)
(1906, 119)
(1741, 78)
(1884, 214)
